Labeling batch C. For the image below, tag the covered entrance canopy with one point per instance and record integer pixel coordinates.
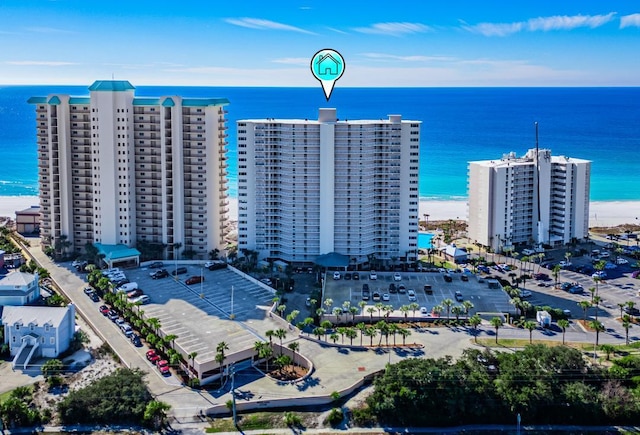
(118, 254)
(333, 260)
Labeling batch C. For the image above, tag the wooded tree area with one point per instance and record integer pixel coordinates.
(545, 385)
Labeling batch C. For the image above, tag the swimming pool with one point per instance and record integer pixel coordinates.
(424, 240)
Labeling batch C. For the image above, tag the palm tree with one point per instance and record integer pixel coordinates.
(404, 332)
(404, 309)
(353, 311)
(337, 311)
(220, 356)
(585, 305)
(371, 310)
(556, 272)
(379, 306)
(626, 324)
(328, 303)
(270, 334)
(437, 309)
(596, 302)
(621, 305)
(564, 324)
(468, 306)
(281, 334)
(334, 337)
(413, 306)
(383, 327)
(457, 310)
(326, 325)
(294, 346)
(475, 321)
(370, 332)
(351, 334)
(362, 304)
(393, 330)
(154, 323)
(192, 356)
(496, 322)
(342, 331)
(448, 303)
(319, 332)
(530, 325)
(361, 327)
(598, 327)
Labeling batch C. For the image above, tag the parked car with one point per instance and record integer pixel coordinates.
(525, 294)
(397, 277)
(156, 265)
(142, 300)
(576, 290)
(88, 291)
(135, 293)
(135, 339)
(376, 296)
(447, 277)
(464, 277)
(373, 275)
(179, 271)
(162, 273)
(347, 276)
(411, 293)
(356, 276)
(104, 310)
(94, 297)
(621, 260)
(402, 289)
(163, 366)
(392, 288)
(196, 279)
(458, 296)
(365, 294)
(112, 315)
(423, 310)
(152, 355)
(307, 302)
(215, 265)
(336, 275)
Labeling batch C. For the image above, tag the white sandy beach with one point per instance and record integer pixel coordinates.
(602, 213)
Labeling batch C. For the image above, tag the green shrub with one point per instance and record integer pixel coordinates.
(362, 416)
(335, 417)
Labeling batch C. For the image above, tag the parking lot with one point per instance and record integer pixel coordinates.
(224, 307)
(484, 298)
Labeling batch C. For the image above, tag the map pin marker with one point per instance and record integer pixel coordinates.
(327, 66)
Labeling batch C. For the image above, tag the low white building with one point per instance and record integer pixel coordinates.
(33, 332)
(19, 288)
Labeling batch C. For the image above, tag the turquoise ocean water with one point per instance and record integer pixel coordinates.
(458, 125)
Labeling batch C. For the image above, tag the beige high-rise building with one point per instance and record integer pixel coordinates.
(313, 187)
(534, 199)
(117, 169)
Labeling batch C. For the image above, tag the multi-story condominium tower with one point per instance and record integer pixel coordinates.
(117, 169)
(308, 187)
(535, 199)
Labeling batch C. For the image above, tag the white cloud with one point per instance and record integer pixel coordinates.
(545, 24)
(632, 20)
(395, 29)
(261, 24)
(564, 22)
(38, 63)
(47, 30)
(333, 29)
(293, 60)
(410, 58)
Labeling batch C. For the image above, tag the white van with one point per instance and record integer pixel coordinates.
(127, 287)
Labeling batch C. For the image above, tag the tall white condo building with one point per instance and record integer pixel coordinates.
(312, 187)
(534, 199)
(117, 169)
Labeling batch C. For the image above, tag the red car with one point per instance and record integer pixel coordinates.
(152, 356)
(104, 310)
(163, 366)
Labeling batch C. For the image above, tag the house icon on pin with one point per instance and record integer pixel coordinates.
(326, 64)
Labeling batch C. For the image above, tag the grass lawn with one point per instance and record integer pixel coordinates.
(255, 421)
(522, 342)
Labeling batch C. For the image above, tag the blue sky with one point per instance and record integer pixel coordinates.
(270, 43)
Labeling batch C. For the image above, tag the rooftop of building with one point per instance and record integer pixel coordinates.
(17, 278)
(329, 116)
(111, 86)
(116, 252)
(39, 316)
(511, 159)
(33, 210)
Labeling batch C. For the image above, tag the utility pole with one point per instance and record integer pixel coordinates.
(233, 395)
